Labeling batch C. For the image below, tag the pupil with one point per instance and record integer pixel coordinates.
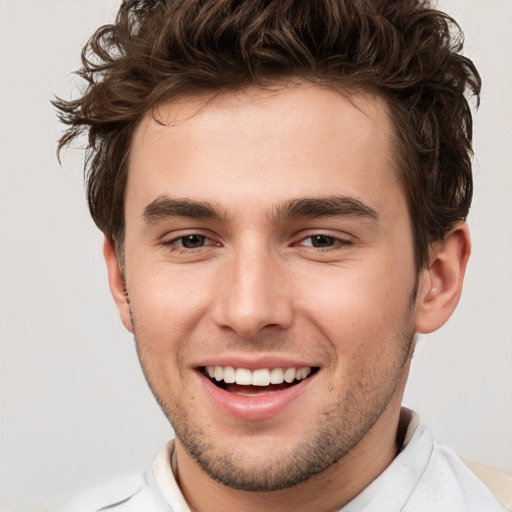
(322, 241)
(193, 241)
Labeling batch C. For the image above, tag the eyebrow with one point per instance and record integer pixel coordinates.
(165, 207)
(332, 206)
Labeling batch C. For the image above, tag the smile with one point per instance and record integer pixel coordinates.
(262, 377)
(257, 388)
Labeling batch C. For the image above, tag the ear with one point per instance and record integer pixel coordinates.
(117, 283)
(441, 282)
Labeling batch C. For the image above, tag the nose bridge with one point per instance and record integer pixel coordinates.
(252, 294)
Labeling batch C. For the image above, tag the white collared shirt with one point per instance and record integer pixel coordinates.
(424, 477)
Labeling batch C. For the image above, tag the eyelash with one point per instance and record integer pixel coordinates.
(172, 244)
(336, 242)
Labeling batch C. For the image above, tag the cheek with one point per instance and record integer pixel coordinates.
(363, 314)
(164, 316)
(167, 309)
(166, 320)
(355, 299)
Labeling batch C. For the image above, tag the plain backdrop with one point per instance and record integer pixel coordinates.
(75, 409)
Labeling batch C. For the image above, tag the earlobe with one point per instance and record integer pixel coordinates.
(441, 282)
(117, 283)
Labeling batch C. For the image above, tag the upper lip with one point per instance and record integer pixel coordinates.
(255, 362)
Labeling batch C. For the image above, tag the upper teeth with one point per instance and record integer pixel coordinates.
(261, 377)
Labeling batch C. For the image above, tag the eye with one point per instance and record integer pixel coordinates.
(189, 247)
(321, 241)
(188, 243)
(191, 241)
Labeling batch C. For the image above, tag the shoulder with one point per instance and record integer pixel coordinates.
(449, 481)
(131, 493)
(499, 482)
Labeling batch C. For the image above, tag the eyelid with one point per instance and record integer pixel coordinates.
(341, 238)
(171, 239)
(338, 243)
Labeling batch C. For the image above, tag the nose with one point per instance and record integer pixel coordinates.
(252, 293)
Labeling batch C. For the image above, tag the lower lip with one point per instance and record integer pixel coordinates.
(254, 407)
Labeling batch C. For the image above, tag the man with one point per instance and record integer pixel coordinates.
(283, 188)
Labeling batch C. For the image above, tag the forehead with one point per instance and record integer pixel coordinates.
(256, 147)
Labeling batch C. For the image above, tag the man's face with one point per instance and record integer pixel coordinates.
(267, 239)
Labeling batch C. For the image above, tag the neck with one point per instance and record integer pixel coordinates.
(325, 492)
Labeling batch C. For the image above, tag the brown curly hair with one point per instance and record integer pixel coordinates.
(405, 50)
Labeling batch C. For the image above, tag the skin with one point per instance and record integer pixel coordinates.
(338, 292)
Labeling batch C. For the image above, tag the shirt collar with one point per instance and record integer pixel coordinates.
(392, 488)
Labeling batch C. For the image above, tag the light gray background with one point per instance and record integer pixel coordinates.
(75, 409)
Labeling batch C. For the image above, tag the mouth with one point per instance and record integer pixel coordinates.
(245, 382)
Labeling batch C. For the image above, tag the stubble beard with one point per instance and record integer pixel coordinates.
(339, 429)
(337, 432)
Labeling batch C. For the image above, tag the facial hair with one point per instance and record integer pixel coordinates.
(340, 428)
